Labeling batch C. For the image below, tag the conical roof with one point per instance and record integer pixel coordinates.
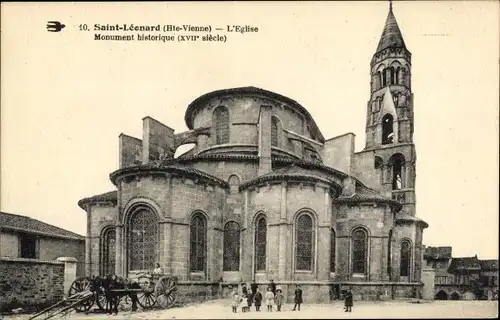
(391, 36)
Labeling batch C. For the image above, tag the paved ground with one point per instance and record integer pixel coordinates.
(221, 309)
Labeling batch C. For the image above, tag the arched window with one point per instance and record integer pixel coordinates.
(198, 239)
(397, 74)
(384, 78)
(389, 254)
(359, 251)
(332, 250)
(274, 132)
(304, 242)
(387, 129)
(260, 243)
(393, 75)
(108, 245)
(142, 239)
(396, 163)
(221, 125)
(231, 257)
(404, 266)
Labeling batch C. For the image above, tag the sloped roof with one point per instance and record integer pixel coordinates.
(489, 265)
(391, 35)
(438, 252)
(15, 222)
(364, 194)
(464, 264)
(110, 196)
(295, 171)
(168, 166)
(405, 216)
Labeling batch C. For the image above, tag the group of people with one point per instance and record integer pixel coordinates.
(272, 296)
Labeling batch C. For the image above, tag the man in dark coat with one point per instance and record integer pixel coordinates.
(298, 298)
(253, 287)
(348, 301)
(272, 285)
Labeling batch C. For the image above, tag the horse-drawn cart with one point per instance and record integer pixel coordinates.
(85, 292)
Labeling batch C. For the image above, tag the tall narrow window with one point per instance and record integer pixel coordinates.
(387, 129)
(396, 163)
(221, 115)
(198, 248)
(384, 78)
(332, 250)
(404, 268)
(108, 246)
(231, 247)
(260, 244)
(274, 132)
(389, 254)
(304, 243)
(142, 240)
(359, 251)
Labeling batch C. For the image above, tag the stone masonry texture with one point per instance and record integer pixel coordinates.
(253, 176)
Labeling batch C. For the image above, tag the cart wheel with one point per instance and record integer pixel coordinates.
(80, 285)
(101, 298)
(165, 290)
(146, 299)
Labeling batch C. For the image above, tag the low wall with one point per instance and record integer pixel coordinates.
(29, 283)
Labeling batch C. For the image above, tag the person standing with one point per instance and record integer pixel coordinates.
(269, 299)
(235, 300)
(298, 298)
(348, 301)
(279, 298)
(257, 300)
(272, 285)
(249, 300)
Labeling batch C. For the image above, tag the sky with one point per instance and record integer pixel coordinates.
(66, 97)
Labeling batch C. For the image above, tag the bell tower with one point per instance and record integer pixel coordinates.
(390, 119)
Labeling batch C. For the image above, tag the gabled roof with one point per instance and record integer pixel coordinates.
(391, 35)
(489, 265)
(464, 264)
(15, 222)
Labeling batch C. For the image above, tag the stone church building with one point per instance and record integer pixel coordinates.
(264, 195)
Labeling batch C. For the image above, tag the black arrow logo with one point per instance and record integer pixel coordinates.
(54, 26)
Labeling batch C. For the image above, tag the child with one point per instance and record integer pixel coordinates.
(257, 300)
(235, 300)
(279, 299)
(269, 299)
(244, 302)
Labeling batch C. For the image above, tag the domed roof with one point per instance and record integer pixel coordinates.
(200, 101)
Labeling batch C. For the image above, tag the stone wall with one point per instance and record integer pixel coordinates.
(53, 248)
(29, 283)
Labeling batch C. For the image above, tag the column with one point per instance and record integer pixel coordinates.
(265, 140)
(119, 257)
(88, 244)
(282, 236)
(69, 272)
(323, 239)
